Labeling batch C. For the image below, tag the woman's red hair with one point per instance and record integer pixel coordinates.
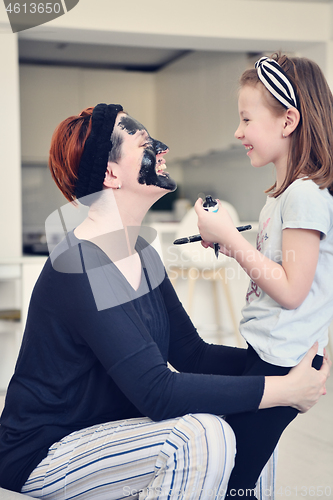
(66, 149)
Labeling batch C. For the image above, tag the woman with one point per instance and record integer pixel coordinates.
(93, 411)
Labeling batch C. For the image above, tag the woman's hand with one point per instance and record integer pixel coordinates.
(307, 382)
(301, 388)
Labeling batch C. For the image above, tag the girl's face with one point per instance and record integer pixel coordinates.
(260, 130)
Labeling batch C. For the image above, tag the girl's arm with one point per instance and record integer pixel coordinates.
(301, 388)
(289, 283)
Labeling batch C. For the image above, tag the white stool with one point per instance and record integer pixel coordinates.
(196, 262)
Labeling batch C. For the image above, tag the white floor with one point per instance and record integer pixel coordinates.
(305, 466)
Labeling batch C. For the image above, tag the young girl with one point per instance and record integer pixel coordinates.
(286, 117)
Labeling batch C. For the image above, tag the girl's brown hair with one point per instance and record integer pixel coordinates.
(311, 148)
(66, 149)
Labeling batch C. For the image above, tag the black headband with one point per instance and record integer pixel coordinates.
(96, 150)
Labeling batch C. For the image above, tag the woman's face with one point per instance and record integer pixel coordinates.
(141, 155)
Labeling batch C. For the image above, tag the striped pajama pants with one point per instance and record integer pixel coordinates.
(185, 458)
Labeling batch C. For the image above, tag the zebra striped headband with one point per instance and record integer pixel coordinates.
(276, 82)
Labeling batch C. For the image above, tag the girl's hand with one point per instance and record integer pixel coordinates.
(216, 227)
(222, 248)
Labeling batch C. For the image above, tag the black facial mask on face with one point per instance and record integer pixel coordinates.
(147, 174)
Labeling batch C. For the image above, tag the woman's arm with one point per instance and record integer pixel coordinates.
(288, 283)
(188, 352)
(301, 388)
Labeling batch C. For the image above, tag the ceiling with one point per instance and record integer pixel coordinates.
(103, 56)
(96, 56)
(303, 1)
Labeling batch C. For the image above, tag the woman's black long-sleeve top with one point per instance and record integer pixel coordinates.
(95, 350)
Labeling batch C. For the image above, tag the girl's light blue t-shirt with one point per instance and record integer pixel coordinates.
(281, 336)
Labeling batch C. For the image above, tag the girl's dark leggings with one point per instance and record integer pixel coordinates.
(257, 433)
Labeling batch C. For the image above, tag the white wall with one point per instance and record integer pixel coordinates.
(10, 166)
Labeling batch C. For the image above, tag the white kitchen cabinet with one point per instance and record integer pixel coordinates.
(48, 95)
(17, 279)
